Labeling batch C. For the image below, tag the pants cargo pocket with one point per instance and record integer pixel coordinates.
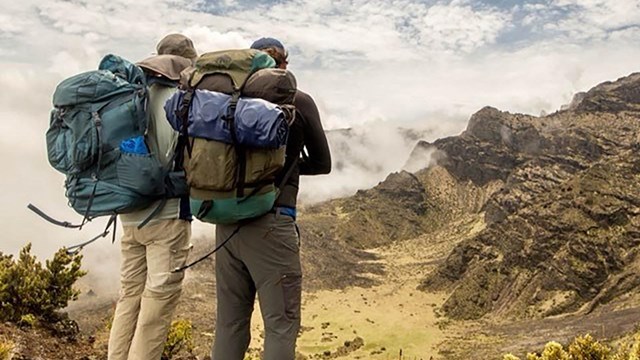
(178, 259)
(179, 256)
(292, 293)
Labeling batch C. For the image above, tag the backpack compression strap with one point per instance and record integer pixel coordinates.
(185, 267)
(52, 220)
(113, 220)
(153, 214)
(183, 114)
(239, 149)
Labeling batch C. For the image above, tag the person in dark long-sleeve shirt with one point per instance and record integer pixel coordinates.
(264, 255)
(306, 132)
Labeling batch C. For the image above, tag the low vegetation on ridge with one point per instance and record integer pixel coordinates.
(31, 292)
(585, 348)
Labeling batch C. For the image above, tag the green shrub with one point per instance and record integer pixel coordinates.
(585, 348)
(28, 320)
(635, 350)
(554, 351)
(180, 338)
(29, 289)
(6, 348)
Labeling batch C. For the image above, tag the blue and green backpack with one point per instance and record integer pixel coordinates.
(96, 137)
(234, 116)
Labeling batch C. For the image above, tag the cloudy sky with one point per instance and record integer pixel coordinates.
(371, 65)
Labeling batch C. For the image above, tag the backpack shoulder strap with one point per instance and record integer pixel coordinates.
(287, 175)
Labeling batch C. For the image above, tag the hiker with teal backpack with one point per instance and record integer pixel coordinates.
(263, 257)
(149, 289)
(110, 136)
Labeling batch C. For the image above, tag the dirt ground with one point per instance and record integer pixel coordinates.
(38, 344)
(391, 320)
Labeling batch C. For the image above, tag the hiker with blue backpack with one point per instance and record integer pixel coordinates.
(263, 256)
(109, 135)
(149, 289)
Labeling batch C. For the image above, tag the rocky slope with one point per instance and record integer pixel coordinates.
(560, 197)
(562, 231)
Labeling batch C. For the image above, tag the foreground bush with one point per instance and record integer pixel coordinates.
(585, 348)
(6, 347)
(31, 292)
(180, 338)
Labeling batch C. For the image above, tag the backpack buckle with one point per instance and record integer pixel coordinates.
(96, 118)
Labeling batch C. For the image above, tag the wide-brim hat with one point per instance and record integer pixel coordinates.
(177, 44)
(169, 66)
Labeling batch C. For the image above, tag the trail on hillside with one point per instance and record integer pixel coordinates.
(384, 321)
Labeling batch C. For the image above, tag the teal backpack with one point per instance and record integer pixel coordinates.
(96, 138)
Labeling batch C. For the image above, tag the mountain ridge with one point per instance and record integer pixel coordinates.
(560, 201)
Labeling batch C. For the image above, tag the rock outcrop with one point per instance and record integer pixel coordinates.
(560, 196)
(562, 232)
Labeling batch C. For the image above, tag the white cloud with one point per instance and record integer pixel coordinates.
(597, 18)
(205, 39)
(9, 25)
(363, 156)
(362, 61)
(460, 28)
(606, 13)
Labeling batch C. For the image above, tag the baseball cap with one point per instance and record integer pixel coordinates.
(269, 42)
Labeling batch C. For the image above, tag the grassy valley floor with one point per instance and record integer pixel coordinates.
(385, 320)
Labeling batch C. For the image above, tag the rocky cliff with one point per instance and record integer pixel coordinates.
(562, 231)
(560, 196)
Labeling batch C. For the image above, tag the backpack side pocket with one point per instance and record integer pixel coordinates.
(72, 141)
(212, 165)
(141, 173)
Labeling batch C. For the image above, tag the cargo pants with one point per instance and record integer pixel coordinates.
(149, 290)
(263, 258)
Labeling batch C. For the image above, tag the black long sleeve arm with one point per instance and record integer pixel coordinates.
(318, 159)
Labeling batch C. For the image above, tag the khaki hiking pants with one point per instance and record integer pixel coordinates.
(263, 257)
(149, 291)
